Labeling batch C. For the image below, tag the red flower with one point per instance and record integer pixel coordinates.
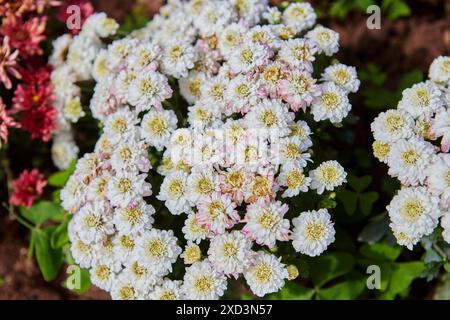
(5, 122)
(40, 122)
(8, 63)
(27, 188)
(86, 9)
(25, 36)
(35, 91)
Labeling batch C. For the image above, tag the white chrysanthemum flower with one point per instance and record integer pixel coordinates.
(441, 128)
(201, 184)
(191, 254)
(81, 55)
(201, 116)
(392, 125)
(60, 50)
(64, 150)
(270, 115)
(123, 247)
(73, 195)
(168, 290)
(299, 89)
(440, 69)
(289, 150)
(301, 131)
(265, 222)
(266, 274)
(121, 125)
(174, 192)
(326, 39)
(93, 222)
(445, 224)
(99, 25)
(313, 232)
(100, 69)
(102, 276)
(415, 210)
(142, 276)
(127, 187)
(202, 282)
(191, 86)
(300, 16)
(299, 53)
(265, 35)
(144, 55)
(213, 17)
(272, 15)
(81, 252)
(230, 253)
(293, 177)
(157, 127)
(230, 38)
(119, 51)
(124, 288)
(134, 218)
(130, 156)
(249, 11)
(408, 159)
(217, 213)
(332, 104)
(213, 92)
(380, 150)
(178, 57)
(422, 99)
(329, 175)
(404, 236)
(158, 250)
(343, 76)
(242, 94)
(149, 89)
(248, 57)
(194, 231)
(438, 178)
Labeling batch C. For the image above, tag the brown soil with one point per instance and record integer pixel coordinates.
(397, 47)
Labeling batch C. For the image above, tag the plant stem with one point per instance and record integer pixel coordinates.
(439, 251)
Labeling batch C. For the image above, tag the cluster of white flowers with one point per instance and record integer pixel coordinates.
(407, 139)
(245, 69)
(75, 59)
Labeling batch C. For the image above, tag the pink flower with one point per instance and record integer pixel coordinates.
(27, 188)
(86, 9)
(5, 123)
(8, 63)
(25, 36)
(39, 122)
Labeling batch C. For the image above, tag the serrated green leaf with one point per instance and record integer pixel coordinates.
(402, 276)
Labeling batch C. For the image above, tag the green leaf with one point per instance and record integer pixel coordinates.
(402, 276)
(381, 251)
(359, 184)
(42, 211)
(59, 179)
(347, 290)
(60, 236)
(410, 79)
(292, 291)
(49, 259)
(375, 230)
(349, 199)
(330, 266)
(366, 201)
(398, 9)
(84, 281)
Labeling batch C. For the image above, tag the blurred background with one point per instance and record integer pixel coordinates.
(388, 60)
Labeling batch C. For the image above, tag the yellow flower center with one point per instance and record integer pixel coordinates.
(168, 295)
(235, 179)
(380, 150)
(203, 284)
(328, 174)
(267, 220)
(272, 73)
(263, 273)
(176, 52)
(138, 270)
(127, 293)
(157, 126)
(261, 186)
(412, 209)
(229, 250)
(330, 100)
(243, 90)
(247, 56)
(269, 118)
(301, 52)
(204, 186)
(291, 150)
(341, 76)
(157, 248)
(192, 254)
(194, 87)
(423, 97)
(124, 185)
(120, 125)
(102, 272)
(215, 209)
(125, 154)
(126, 242)
(176, 188)
(92, 221)
(73, 107)
(295, 179)
(147, 86)
(314, 231)
(410, 157)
